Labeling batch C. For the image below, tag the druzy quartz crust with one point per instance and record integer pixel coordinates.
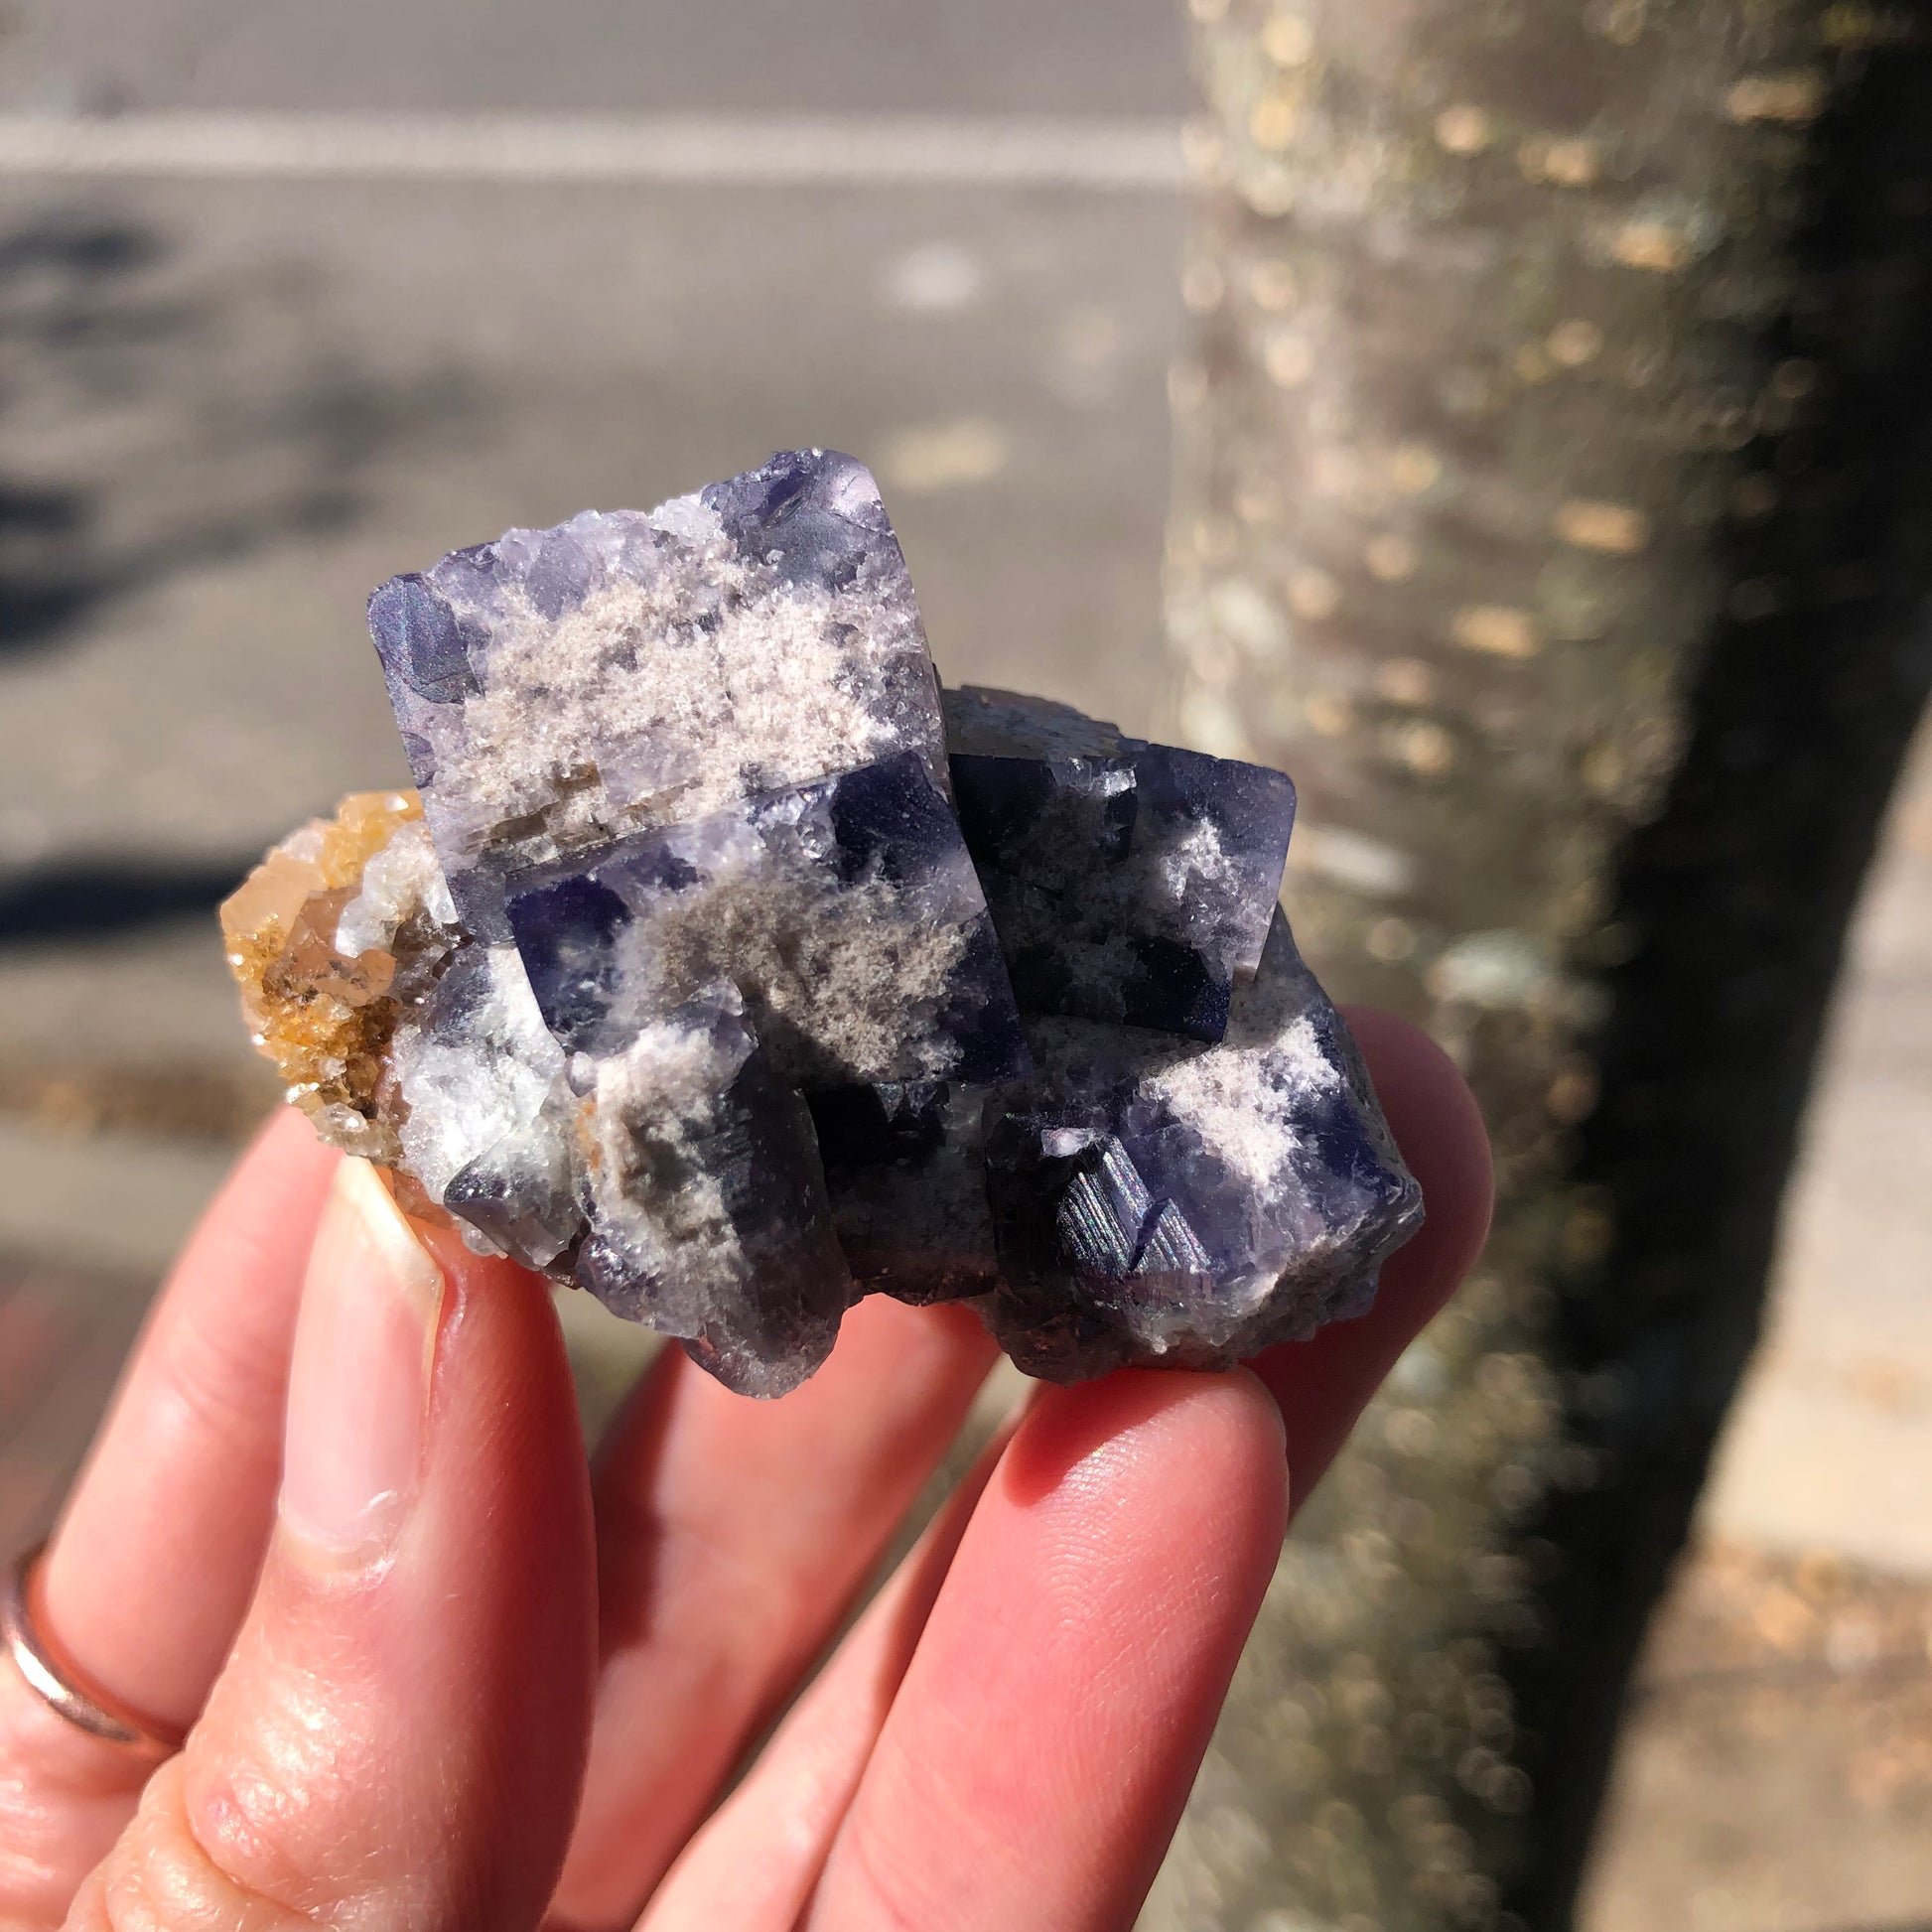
(722, 966)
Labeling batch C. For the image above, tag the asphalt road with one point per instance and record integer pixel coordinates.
(1052, 56)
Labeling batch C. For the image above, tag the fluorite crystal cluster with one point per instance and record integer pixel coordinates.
(721, 966)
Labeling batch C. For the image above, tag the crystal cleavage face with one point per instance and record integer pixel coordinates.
(722, 966)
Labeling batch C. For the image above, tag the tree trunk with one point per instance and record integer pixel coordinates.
(1555, 504)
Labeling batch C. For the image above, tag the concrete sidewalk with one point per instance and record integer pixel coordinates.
(1831, 1448)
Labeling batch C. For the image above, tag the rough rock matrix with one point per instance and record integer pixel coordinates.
(718, 968)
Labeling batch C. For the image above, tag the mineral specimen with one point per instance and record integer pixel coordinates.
(696, 977)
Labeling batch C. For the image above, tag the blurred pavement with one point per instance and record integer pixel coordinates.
(233, 406)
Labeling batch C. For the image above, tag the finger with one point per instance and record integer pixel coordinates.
(147, 1577)
(1046, 1733)
(180, 1488)
(755, 1862)
(732, 1538)
(1324, 1384)
(397, 1737)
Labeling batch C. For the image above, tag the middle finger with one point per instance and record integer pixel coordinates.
(732, 1536)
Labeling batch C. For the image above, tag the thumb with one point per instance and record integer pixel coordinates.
(398, 1735)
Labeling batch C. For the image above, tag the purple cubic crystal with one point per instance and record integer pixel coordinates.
(1155, 1199)
(704, 747)
(559, 688)
(1129, 881)
(707, 1209)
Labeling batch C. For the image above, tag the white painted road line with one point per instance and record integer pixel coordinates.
(1129, 157)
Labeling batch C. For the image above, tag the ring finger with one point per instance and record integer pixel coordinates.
(146, 1579)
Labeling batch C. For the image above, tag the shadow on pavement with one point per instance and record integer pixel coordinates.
(95, 898)
(97, 327)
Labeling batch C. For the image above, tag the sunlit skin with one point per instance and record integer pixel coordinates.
(524, 1708)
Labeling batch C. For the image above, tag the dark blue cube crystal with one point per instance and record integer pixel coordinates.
(566, 930)
(893, 1124)
(1129, 881)
(814, 515)
(1159, 1200)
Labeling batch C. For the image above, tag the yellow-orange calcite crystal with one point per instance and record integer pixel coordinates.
(323, 1016)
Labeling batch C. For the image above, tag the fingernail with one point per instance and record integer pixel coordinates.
(359, 1384)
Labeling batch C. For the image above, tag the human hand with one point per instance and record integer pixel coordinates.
(434, 1673)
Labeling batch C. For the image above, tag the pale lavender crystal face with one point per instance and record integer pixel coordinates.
(1129, 881)
(489, 1115)
(558, 688)
(721, 1018)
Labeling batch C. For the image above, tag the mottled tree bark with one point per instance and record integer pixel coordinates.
(1553, 503)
